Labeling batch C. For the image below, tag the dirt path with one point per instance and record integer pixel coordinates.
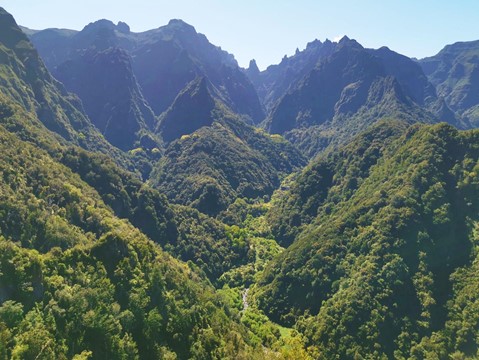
(245, 299)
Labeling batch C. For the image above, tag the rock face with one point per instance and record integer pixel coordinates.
(273, 83)
(455, 73)
(172, 56)
(104, 80)
(191, 110)
(307, 97)
(212, 156)
(164, 61)
(331, 91)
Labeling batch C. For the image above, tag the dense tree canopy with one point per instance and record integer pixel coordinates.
(188, 233)
(381, 269)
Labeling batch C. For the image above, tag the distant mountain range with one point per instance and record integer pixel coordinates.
(154, 66)
(157, 201)
(454, 71)
(306, 97)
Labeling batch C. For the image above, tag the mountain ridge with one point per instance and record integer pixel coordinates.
(178, 206)
(184, 50)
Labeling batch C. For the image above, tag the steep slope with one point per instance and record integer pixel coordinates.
(191, 110)
(330, 179)
(76, 281)
(104, 81)
(222, 160)
(164, 61)
(455, 73)
(185, 55)
(387, 266)
(348, 89)
(26, 83)
(275, 81)
(181, 231)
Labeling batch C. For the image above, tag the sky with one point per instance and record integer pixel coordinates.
(266, 30)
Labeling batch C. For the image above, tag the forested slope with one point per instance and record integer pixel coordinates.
(386, 266)
(77, 279)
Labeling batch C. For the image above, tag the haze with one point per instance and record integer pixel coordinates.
(267, 30)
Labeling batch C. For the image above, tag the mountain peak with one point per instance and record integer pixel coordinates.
(191, 110)
(253, 67)
(350, 43)
(100, 24)
(383, 49)
(105, 24)
(314, 43)
(123, 27)
(10, 33)
(177, 22)
(180, 24)
(4, 12)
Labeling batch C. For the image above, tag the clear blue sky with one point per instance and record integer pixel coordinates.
(268, 29)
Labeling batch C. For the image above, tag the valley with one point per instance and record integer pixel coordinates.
(158, 201)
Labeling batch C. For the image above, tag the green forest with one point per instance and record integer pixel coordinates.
(324, 208)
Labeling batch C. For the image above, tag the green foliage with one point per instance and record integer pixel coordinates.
(127, 195)
(380, 267)
(261, 252)
(78, 282)
(208, 243)
(216, 164)
(337, 90)
(26, 82)
(381, 234)
(332, 178)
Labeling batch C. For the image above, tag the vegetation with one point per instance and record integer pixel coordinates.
(216, 164)
(27, 82)
(207, 238)
(381, 271)
(78, 281)
(331, 179)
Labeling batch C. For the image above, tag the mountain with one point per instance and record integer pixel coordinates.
(102, 76)
(164, 61)
(150, 209)
(275, 81)
(111, 96)
(34, 102)
(218, 157)
(331, 177)
(455, 73)
(76, 281)
(191, 110)
(352, 88)
(82, 273)
(383, 259)
(331, 91)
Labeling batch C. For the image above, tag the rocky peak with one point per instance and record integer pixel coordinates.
(253, 67)
(191, 110)
(100, 24)
(10, 33)
(123, 27)
(349, 43)
(180, 25)
(313, 44)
